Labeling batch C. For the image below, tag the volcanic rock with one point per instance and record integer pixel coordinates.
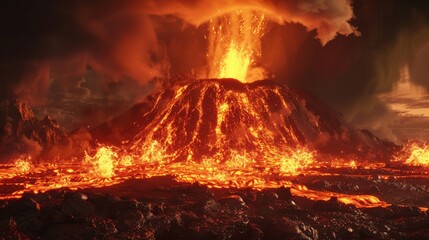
(233, 201)
(77, 206)
(284, 193)
(22, 133)
(220, 118)
(9, 230)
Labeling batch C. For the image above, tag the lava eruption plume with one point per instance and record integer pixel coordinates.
(235, 46)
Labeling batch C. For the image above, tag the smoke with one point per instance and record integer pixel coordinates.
(88, 60)
(48, 43)
(350, 72)
(327, 17)
(48, 39)
(119, 38)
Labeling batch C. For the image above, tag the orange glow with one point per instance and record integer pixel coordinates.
(110, 165)
(103, 162)
(418, 154)
(299, 160)
(235, 46)
(241, 149)
(23, 165)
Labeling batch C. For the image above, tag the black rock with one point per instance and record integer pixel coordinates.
(9, 230)
(100, 228)
(67, 231)
(24, 211)
(331, 205)
(232, 201)
(76, 206)
(253, 232)
(284, 193)
(405, 211)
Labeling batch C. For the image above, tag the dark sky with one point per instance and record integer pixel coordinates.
(85, 61)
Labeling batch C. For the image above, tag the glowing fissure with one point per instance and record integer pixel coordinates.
(235, 46)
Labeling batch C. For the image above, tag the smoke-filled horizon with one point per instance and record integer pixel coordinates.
(84, 62)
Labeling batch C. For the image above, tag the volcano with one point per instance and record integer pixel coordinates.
(221, 119)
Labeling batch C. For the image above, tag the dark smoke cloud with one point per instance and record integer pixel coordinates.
(349, 72)
(327, 17)
(47, 39)
(46, 47)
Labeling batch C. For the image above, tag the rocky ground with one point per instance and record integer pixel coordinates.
(160, 208)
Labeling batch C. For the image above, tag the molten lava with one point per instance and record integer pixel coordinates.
(416, 154)
(235, 46)
(219, 132)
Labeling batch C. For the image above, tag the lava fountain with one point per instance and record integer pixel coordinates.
(234, 46)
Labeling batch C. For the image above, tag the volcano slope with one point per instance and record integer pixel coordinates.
(222, 118)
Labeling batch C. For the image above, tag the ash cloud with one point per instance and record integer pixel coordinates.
(48, 39)
(344, 51)
(49, 43)
(327, 17)
(350, 72)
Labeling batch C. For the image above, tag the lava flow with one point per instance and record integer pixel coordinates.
(222, 133)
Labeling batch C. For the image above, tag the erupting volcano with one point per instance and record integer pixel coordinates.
(228, 152)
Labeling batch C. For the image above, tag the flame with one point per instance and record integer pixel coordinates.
(103, 161)
(298, 160)
(418, 154)
(235, 46)
(23, 164)
(111, 165)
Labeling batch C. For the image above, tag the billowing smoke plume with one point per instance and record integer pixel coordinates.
(327, 17)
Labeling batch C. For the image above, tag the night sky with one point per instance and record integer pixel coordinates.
(83, 62)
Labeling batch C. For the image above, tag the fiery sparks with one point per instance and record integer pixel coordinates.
(235, 46)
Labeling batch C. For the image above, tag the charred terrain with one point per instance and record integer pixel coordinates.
(212, 159)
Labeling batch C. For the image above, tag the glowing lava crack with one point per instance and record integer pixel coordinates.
(222, 120)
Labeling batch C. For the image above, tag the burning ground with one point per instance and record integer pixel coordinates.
(181, 165)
